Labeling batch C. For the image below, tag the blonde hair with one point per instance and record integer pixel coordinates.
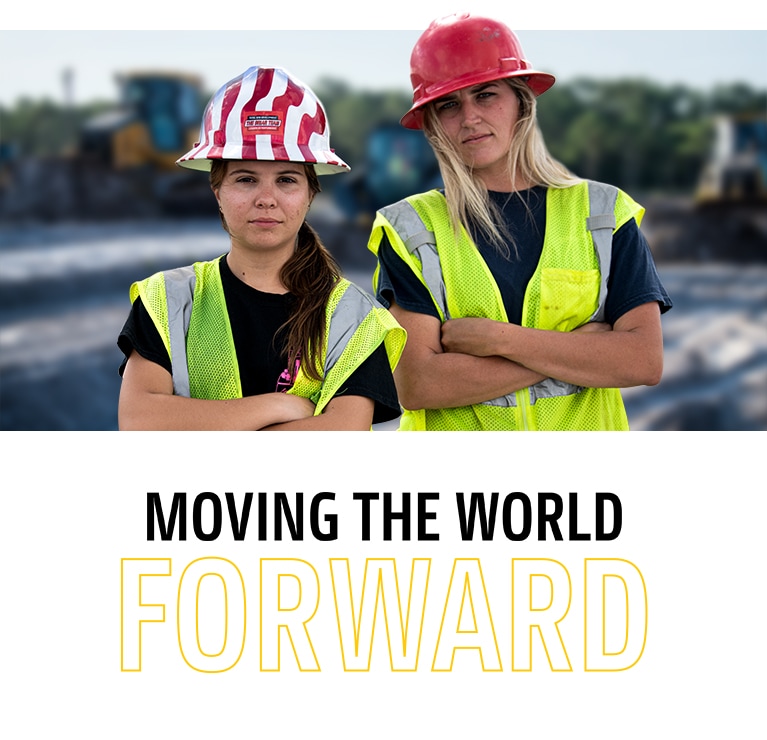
(528, 163)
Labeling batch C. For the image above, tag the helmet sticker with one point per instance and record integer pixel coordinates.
(254, 123)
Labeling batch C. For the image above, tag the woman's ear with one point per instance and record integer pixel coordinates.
(220, 210)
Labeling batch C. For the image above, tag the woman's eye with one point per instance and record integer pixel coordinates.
(447, 105)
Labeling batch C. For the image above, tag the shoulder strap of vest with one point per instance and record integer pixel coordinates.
(421, 242)
(179, 289)
(357, 324)
(601, 223)
(349, 312)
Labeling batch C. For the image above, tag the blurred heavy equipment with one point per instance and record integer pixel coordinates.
(156, 121)
(123, 163)
(398, 162)
(726, 219)
(736, 171)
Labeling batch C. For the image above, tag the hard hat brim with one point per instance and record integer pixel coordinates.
(538, 82)
(321, 168)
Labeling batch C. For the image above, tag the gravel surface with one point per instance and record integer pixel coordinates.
(63, 299)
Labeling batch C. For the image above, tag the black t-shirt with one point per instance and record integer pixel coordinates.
(633, 278)
(255, 318)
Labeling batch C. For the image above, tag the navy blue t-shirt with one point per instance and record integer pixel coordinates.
(633, 278)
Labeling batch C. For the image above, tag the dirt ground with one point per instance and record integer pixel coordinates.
(63, 299)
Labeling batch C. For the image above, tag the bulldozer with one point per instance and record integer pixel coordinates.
(736, 171)
(122, 164)
(156, 121)
(726, 219)
(139, 141)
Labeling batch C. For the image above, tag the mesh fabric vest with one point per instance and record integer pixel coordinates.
(562, 294)
(188, 308)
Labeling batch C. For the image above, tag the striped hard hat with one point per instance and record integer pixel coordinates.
(265, 114)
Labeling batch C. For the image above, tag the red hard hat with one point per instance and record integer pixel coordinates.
(460, 50)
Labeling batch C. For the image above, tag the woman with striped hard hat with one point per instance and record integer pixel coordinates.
(269, 335)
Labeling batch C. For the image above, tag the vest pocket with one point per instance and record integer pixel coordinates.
(568, 298)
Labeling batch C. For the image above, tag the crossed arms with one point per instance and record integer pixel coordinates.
(471, 360)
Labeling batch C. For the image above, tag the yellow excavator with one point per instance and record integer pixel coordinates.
(133, 147)
(122, 164)
(155, 122)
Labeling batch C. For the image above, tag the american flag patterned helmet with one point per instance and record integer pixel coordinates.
(265, 114)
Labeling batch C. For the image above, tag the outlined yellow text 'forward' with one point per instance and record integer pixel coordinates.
(383, 614)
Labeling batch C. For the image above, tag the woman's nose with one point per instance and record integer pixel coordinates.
(469, 113)
(265, 198)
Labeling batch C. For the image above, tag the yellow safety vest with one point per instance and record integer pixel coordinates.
(188, 308)
(568, 289)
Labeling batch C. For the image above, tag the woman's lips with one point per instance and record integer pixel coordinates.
(475, 138)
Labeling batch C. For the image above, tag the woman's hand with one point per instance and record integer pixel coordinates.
(482, 337)
(342, 413)
(592, 327)
(147, 402)
(472, 336)
(594, 355)
(292, 408)
(429, 377)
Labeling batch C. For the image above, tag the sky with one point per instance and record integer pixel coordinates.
(33, 62)
(367, 44)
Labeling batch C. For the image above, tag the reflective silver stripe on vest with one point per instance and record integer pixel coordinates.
(601, 224)
(421, 242)
(179, 291)
(505, 402)
(350, 312)
(548, 388)
(552, 388)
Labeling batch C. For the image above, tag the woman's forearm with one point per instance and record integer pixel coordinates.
(147, 403)
(630, 355)
(342, 414)
(429, 378)
(159, 411)
(462, 380)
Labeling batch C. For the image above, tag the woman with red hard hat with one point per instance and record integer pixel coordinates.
(269, 335)
(529, 295)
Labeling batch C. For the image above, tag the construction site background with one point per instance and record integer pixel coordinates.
(90, 201)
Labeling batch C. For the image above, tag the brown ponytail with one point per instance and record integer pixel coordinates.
(310, 275)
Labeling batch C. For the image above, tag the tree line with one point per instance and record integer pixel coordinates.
(635, 133)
